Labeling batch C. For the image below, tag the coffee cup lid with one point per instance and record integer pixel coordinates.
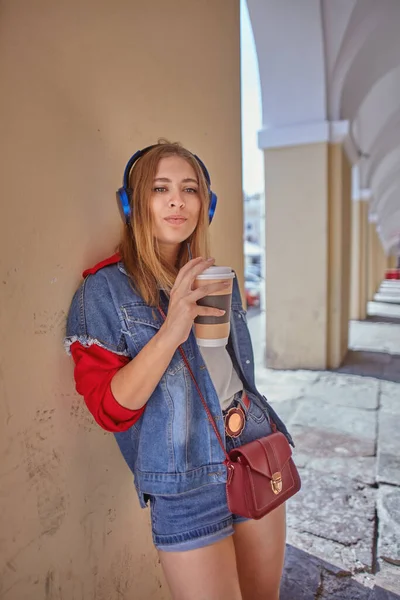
(216, 273)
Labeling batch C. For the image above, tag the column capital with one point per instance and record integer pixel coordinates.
(366, 194)
(313, 132)
(372, 218)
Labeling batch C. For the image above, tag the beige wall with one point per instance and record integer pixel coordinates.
(84, 84)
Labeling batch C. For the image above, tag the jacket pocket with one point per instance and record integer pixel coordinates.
(142, 323)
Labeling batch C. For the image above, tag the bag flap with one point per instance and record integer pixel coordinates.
(266, 455)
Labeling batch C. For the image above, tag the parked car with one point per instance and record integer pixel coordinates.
(252, 277)
(254, 269)
(252, 287)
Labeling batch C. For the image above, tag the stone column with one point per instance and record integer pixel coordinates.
(377, 261)
(371, 289)
(381, 265)
(308, 216)
(358, 277)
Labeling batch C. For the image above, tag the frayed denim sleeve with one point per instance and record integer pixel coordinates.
(93, 317)
(236, 296)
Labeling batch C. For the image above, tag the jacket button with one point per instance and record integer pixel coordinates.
(247, 362)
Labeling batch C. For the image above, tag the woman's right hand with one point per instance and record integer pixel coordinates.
(183, 307)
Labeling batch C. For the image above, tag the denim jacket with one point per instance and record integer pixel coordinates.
(172, 448)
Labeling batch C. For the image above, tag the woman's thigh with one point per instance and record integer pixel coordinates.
(260, 554)
(207, 573)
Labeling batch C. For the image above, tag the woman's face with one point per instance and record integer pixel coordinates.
(175, 202)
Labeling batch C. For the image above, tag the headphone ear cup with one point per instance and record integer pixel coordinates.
(123, 201)
(213, 206)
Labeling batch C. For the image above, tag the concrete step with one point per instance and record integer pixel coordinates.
(395, 284)
(390, 289)
(383, 309)
(387, 297)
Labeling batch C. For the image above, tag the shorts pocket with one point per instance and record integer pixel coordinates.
(257, 424)
(257, 414)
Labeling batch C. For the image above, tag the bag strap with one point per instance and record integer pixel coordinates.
(210, 418)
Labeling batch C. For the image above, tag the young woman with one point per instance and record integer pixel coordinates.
(135, 382)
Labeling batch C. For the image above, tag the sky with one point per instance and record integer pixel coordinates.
(253, 167)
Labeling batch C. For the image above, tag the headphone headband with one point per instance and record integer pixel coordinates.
(124, 194)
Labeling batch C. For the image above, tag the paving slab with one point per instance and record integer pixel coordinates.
(365, 363)
(383, 319)
(341, 588)
(388, 448)
(380, 365)
(280, 391)
(299, 380)
(362, 469)
(390, 397)
(284, 388)
(388, 504)
(392, 370)
(388, 470)
(319, 442)
(301, 576)
(343, 431)
(387, 582)
(308, 578)
(346, 390)
(286, 410)
(374, 337)
(333, 516)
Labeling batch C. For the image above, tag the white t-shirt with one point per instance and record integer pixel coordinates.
(222, 372)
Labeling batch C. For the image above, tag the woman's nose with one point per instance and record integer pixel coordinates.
(177, 200)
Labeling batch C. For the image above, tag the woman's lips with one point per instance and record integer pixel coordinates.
(175, 220)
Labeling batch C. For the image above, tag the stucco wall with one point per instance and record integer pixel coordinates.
(84, 84)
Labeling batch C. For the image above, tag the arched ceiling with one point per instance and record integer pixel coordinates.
(338, 60)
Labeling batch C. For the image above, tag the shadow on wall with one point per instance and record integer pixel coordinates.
(307, 577)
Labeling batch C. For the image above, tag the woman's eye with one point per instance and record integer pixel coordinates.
(159, 189)
(191, 190)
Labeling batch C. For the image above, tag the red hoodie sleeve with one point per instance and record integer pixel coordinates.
(94, 369)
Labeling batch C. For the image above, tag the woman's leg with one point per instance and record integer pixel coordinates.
(207, 573)
(260, 553)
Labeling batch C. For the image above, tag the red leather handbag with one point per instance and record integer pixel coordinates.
(261, 474)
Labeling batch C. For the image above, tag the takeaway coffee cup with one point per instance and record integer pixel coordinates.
(214, 331)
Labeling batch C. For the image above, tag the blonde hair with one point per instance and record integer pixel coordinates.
(138, 247)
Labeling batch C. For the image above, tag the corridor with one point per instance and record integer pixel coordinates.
(344, 525)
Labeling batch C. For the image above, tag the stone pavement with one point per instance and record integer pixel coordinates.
(344, 525)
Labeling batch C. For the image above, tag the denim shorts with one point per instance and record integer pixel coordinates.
(201, 517)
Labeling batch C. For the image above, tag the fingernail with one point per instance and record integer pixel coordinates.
(227, 283)
(210, 259)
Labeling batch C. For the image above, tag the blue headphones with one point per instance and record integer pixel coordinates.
(124, 194)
